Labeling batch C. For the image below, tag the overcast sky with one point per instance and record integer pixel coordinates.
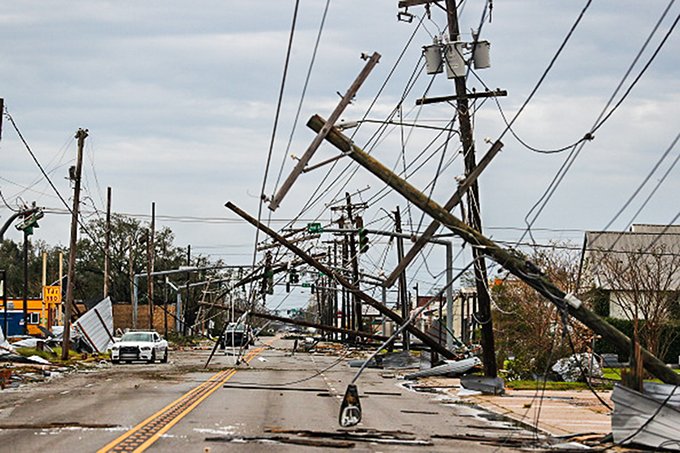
(179, 99)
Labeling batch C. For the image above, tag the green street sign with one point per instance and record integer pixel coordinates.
(306, 285)
(314, 227)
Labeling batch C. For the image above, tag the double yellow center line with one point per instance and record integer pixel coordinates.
(150, 430)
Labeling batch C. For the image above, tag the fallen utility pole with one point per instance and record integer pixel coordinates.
(425, 338)
(299, 322)
(81, 135)
(335, 115)
(513, 261)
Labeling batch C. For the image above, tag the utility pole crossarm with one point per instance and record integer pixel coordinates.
(484, 94)
(311, 149)
(513, 262)
(407, 3)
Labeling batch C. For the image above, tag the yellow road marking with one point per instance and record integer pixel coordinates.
(208, 388)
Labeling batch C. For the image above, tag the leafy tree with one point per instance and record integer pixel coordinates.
(12, 261)
(128, 256)
(529, 328)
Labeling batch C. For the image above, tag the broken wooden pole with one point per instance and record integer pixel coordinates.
(511, 260)
(425, 338)
(318, 140)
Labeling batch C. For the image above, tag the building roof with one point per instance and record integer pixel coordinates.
(607, 254)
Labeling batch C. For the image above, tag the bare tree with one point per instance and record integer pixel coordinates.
(643, 284)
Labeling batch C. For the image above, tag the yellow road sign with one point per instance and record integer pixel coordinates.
(52, 294)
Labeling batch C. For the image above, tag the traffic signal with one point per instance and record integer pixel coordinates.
(363, 240)
(293, 276)
(268, 275)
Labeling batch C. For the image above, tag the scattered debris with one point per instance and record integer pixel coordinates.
(573, 368)
(38, 359)
(283, 440)
(97, 326)
(450, 367)
(399, 360)
(274, 387)
(56, 425)
(511, 440)
(5, 347)
(650, 419)
(5, 377)
(406, 411)
(394, 361)
(570, 446)
(360, 435)
(487, 385)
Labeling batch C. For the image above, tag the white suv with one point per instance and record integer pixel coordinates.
(140, 345)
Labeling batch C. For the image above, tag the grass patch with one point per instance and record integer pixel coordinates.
(73, 356)
(551, 385)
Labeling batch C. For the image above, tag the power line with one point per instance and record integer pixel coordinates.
(275, 126)
(566, 165)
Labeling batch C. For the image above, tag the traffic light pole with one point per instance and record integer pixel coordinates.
(25, 292)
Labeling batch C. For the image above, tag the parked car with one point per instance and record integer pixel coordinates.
(238, 335)
(146, 345)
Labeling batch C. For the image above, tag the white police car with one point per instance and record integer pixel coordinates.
(140, 345)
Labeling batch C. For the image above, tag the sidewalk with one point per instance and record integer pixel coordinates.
(559, 412)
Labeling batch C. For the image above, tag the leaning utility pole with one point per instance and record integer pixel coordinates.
(318, 140)
(68, 309)
(511, 260)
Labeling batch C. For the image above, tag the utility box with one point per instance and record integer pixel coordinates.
(454, 60)
(481, 55)
(434, 62)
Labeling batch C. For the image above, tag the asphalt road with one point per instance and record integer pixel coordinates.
(278, 401)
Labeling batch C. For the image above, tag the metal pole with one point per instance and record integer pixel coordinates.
(449, 296)
(4, 299)
(25, 292)
(384, 301)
